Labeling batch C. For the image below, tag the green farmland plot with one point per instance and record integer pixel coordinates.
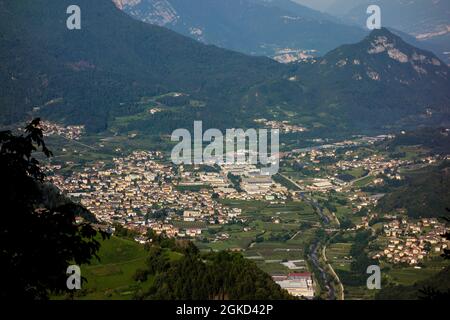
(411, 275)
(292, 211)
(338, 255)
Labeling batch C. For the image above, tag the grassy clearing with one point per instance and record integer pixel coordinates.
(112, 277)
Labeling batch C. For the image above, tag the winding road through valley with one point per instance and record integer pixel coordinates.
(314, 249)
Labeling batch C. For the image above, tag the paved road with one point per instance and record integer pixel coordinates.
(327, 280)
(314, 248)
(341, 286)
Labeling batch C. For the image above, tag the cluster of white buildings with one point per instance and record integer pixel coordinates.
(253, 184)
(411, 242)
(283, 126)
(297, 284)
(138, 185)
(130, 189)
(288, 55)
(68, 132)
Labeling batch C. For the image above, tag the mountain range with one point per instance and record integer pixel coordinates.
(105, 69)
(118, 68)
(258, 27)
(381, 79)
(422, 18)
(427, 20)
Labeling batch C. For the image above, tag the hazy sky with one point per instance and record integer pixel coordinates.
(316, 4)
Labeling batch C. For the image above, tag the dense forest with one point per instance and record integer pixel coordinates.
(437, 140)
(425, 193)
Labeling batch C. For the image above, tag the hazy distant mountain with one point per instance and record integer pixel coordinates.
(427, 20)
(303, 11)
(422, 18)
(315, 4)
(382, 79)
(334, 7)
(341, 7)
(259, 27)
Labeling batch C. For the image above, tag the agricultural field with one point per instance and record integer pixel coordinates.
(411, 152)
(364, 181)
(411, 275)
(338, 255)
(285, 182)
(289, 212)
(273, 234)
(272, 255)
(356, 172)
(238, 240)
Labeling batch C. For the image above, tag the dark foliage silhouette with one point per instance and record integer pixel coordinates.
(39, 238)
